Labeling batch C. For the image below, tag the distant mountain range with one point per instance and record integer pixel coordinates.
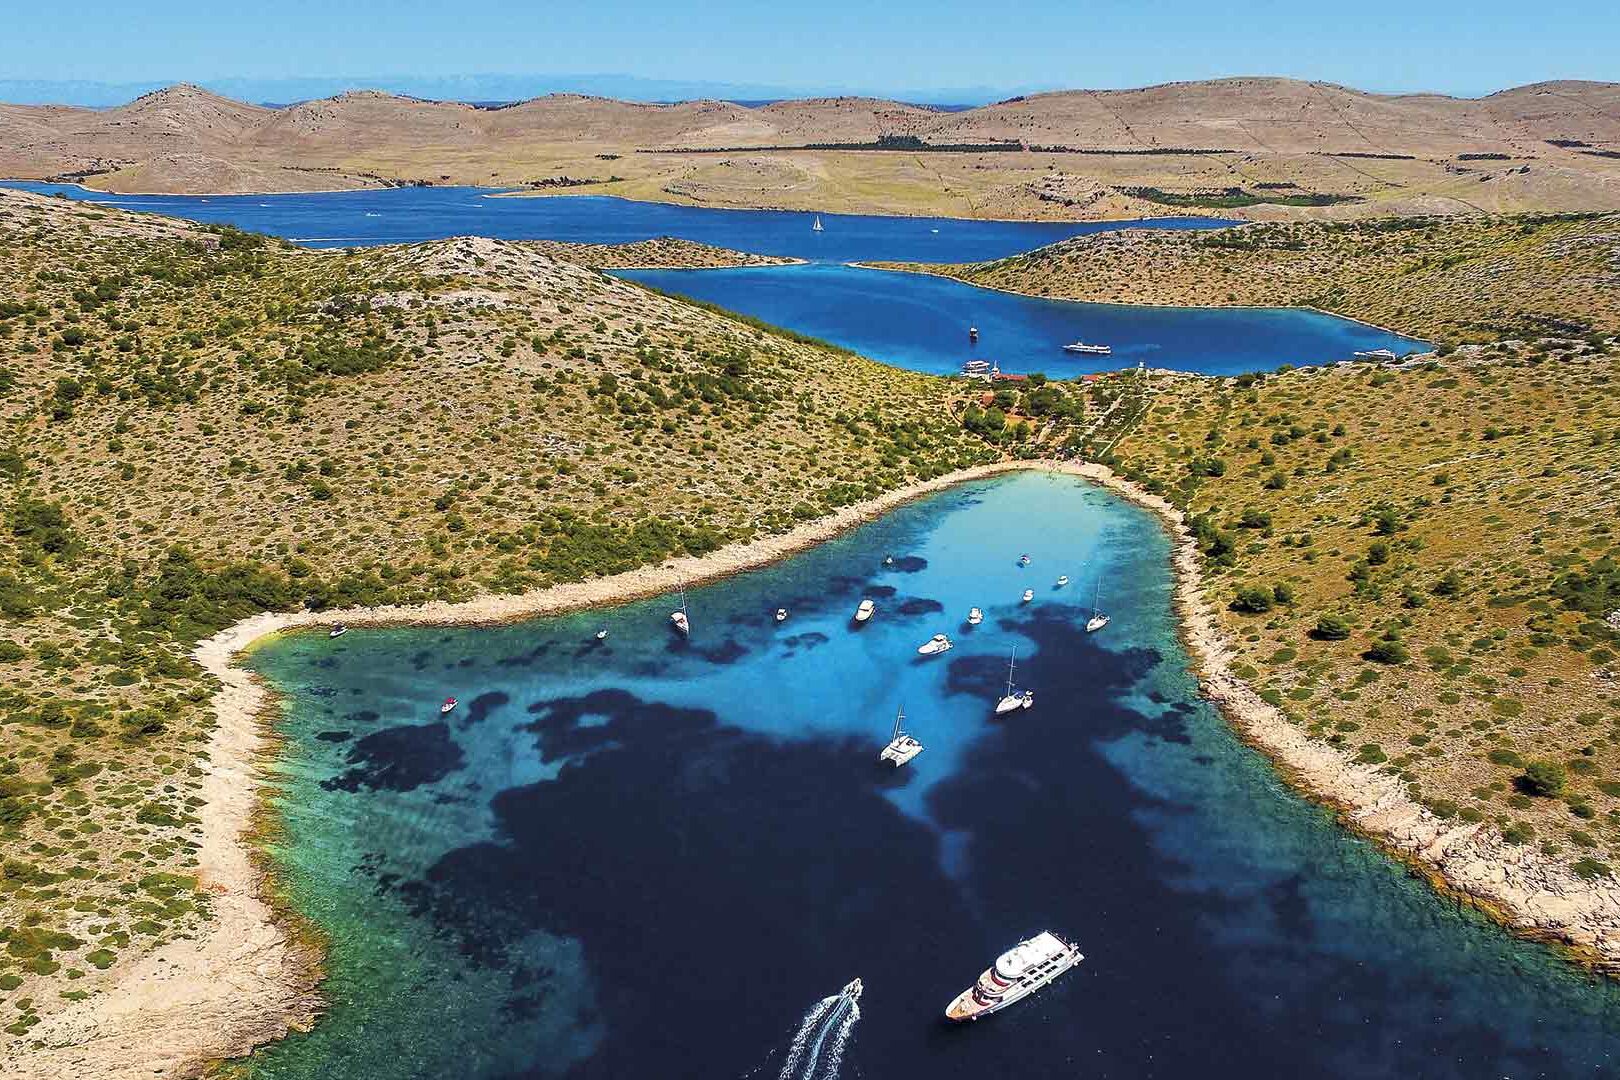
(1074, 152)
(476, 89)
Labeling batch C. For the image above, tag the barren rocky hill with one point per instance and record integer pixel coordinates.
(1274, 147)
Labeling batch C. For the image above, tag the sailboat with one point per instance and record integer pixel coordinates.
(902, 747)
(816, 226)
(679, 620)
(1098, 620)
(1011, 702)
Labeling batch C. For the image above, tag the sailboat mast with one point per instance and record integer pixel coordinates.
(1010, 661)
(899, 718)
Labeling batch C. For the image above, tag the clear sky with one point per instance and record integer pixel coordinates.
(888, 45)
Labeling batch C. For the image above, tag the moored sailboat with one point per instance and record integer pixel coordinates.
(1098, 620)
(1011, 701)
(678, 619)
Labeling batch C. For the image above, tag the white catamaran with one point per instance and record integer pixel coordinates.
(902, 747)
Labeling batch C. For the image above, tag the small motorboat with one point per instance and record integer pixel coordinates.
(975, 616)
(601, 635)
(973, 333)
(864, 611)
(1063, 579)
(337, 631)
(449, 704)
(1023, 560)
(1029, 594)
(781, 614)
(888, 560)
(935, 645)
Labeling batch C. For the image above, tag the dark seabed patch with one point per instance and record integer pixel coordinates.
(399, 759)
(481, 706)
(334, 736)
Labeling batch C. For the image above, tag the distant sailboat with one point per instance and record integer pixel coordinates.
(902, 747)
(1098, 620)
(816, 226)
(679, 620)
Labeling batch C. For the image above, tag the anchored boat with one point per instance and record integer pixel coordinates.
(975, 616)
(781, 614)
(337, 630)
(1012, 701)
(1089, 350)
(449, 703)
(678, 619)
(1098, 620)
(935, 645)
(864, 611)
(1016, 974)
(902, 747)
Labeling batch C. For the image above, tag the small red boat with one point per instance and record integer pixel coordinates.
(449, 703)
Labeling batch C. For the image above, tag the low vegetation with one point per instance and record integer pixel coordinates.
(1447, 280)
(199, 424)
(1420, 564)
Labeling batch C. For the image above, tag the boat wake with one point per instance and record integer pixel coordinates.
(817, 1049)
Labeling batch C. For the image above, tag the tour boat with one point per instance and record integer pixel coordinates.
(975, 616)
(902, 747)
(864, 611)
(449, 703)
(1376, 354)
(781, 614)
(1023, 560)
(1016, 974)
(1029, 594)
(601, 635)
(816, 226)
(337, 631)
(935, 645)
(977, 369)
(1010, 701)
(1098, 620)
(1063, 579)
(1090, 350)
(678, 619)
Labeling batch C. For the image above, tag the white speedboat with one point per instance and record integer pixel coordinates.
(1029, 594)
(1012, 701)
(449, 704)
(781, 614)
(864, 611)
(975, 616)
(1023, 560)
(601, 635)
(1063, 579)
(973, 333)
(935, 645)
(1089, 350)
(1016, 974)
(678, 619)
(902, 747)
(888, 560)
(337, 631)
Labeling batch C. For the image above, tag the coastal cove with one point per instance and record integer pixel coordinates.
(913, 321)
(1166, 846)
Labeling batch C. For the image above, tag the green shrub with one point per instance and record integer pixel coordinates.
(1544, 778)
(1331, 627)
(1253, 600)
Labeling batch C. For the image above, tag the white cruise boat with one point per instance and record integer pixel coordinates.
(1376, 354)
(678, 619)
(902, 747)
(975, 616)
(1012, 701)
(1089, 350)
(1063, 579)
(1029, 594)
(1016, 974)
(864, 611)
(935, 645)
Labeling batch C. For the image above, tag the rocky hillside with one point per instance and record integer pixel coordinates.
(1256, 147)
(200, 423)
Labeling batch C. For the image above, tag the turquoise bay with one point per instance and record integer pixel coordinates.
(650, 857)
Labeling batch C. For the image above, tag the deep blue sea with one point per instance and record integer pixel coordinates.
(653, 857)
(908, 320)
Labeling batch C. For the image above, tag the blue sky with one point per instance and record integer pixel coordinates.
(891, 46)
